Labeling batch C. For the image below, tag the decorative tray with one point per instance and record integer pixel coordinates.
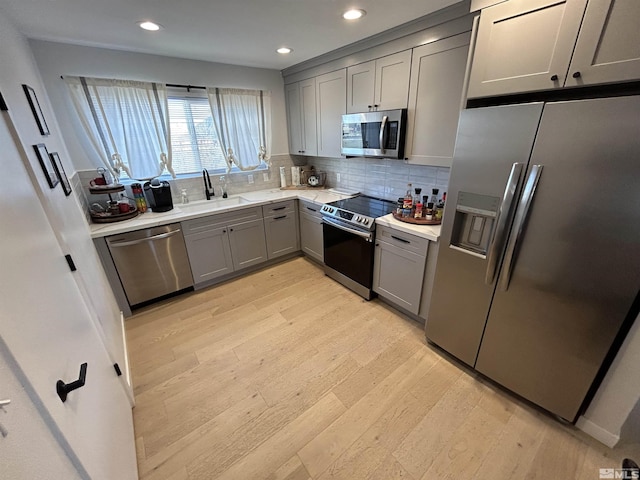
(416, 221)
(106, 217)
(104, 189)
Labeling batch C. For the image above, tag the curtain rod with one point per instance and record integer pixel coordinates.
(175, 85)
(188, 87)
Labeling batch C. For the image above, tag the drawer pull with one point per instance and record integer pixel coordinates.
(278, 208)
(400, 239)
(312, 209)
(280, 217)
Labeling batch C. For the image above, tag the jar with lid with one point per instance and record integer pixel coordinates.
(418, 211)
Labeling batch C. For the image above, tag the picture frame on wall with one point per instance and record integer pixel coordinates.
(35, 109)
(47, 164)
(62, 175)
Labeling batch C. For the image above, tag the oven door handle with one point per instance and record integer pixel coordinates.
(368, 236)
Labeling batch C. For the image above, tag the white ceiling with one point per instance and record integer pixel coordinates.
(241, 32)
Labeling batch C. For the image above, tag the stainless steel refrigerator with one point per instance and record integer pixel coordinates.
(539, 259)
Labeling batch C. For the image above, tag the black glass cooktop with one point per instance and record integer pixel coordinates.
(364, 205)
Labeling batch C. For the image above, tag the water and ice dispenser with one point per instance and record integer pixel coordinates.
(474, 222)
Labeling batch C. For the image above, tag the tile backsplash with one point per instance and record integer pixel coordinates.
(383, 178)
(236, 182)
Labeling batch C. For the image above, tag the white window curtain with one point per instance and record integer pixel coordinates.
(242, 120)
(127, 124)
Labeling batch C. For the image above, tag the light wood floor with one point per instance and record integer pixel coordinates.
(286, 375)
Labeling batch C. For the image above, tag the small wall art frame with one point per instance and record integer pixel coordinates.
(35, 109)
(62, 175)
(47, 164)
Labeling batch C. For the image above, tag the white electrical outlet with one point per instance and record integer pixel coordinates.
(250, 177)
(338, 178)
(265, 176)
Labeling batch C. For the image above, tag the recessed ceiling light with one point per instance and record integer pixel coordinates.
(284, 50)
(152, 27)
(353, 14)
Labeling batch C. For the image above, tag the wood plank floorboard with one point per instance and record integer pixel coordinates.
(284, 374)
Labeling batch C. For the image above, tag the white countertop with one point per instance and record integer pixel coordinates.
(207, 207)
(430, 232)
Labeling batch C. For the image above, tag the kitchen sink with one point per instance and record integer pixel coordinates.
(213, 204)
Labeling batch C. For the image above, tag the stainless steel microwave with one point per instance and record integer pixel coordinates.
(374, 134)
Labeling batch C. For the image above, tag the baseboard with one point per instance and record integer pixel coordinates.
(597, 432)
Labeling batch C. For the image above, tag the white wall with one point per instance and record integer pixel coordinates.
(56, 59)
(65, 213)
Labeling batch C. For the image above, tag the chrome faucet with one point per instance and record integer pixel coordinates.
(208, 189)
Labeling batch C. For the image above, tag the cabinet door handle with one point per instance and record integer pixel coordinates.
(63, 389)
(400, 239)
(576, 75)
(224, 231)
(554, 78)
(231, 229)
(280, 217)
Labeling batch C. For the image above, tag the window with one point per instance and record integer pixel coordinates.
(194, 141)
(139, 129)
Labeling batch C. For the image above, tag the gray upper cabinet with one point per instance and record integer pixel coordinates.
(331, 99)
(301, 117)
(435, 100)
(524, 46)
(608, 47)
(380, 84)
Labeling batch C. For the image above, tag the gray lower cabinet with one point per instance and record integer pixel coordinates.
(223, 243)
(248, 246)
(209, 254)
(281, 228)
(399, 267)
(311, 236)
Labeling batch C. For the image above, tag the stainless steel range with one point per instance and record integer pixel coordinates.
(349, 232)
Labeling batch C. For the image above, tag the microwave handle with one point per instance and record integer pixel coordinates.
(381, 137)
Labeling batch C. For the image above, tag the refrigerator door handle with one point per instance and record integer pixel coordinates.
(499, 235)
(521, 217)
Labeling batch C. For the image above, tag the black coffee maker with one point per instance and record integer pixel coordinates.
(158, 195)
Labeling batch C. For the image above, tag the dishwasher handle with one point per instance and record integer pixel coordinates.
(127, 243)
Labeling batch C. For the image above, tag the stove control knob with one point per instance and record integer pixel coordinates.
(366, 221)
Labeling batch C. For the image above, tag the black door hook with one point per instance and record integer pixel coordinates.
(64, 388)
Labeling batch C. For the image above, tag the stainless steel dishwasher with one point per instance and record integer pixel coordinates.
(151, 263)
